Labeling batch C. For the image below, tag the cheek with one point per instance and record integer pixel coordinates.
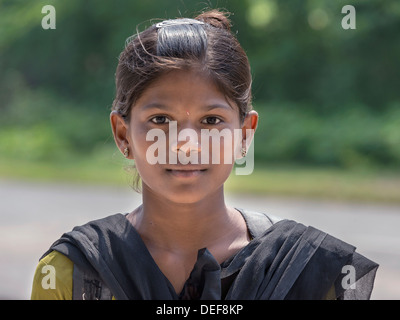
(139, 146)
(225, 148)
(137, 137)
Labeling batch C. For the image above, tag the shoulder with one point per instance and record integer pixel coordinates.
(258, 222)
(97, 245)
(96, 237)
(53, 278)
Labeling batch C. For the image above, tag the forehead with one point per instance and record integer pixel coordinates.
(183, 86)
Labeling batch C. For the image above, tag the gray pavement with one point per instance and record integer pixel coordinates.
(33, 215)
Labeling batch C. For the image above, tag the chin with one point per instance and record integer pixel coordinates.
(186, 197)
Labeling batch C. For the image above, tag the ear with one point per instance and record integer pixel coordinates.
(120, 132)
(249, 122)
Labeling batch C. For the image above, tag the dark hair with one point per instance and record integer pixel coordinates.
(204, 43)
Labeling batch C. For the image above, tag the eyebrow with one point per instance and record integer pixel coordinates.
(219, 106)
(156, 105)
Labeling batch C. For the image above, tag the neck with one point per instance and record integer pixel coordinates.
(183, 227)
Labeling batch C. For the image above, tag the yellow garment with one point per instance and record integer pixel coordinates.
(63, 268)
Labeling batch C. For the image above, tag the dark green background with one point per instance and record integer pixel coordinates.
(326, 96)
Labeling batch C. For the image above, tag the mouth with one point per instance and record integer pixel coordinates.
(186, 172)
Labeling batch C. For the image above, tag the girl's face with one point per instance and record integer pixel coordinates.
(187, 100)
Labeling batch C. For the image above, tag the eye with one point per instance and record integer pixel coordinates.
(211, 120)
(159, 119)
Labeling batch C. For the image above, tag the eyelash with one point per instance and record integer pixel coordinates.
(213, 117)
(161, 116)
(152, 119)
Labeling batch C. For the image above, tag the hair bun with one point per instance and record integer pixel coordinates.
(215, 18)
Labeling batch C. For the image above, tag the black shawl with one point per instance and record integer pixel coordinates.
(284, 260)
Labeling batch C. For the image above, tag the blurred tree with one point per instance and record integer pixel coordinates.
(309, 73)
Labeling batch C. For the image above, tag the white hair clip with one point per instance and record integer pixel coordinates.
(175, 22)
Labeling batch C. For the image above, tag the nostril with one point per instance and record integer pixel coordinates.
(187, 147)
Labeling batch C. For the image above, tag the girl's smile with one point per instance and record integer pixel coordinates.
(186, 173)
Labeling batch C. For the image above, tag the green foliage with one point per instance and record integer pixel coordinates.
(326, 96)
(353, 138)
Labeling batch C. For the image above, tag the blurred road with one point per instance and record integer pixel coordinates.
(33, 215)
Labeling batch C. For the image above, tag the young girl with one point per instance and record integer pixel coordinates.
(184, 242)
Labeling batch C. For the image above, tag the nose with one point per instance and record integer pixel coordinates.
(187, 141)
(186, 146)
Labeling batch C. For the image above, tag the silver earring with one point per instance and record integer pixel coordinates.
(243, 150)
(126, 152)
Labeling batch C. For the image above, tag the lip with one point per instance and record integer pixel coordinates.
(186, 172)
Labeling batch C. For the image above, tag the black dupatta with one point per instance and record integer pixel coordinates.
(284, 260)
